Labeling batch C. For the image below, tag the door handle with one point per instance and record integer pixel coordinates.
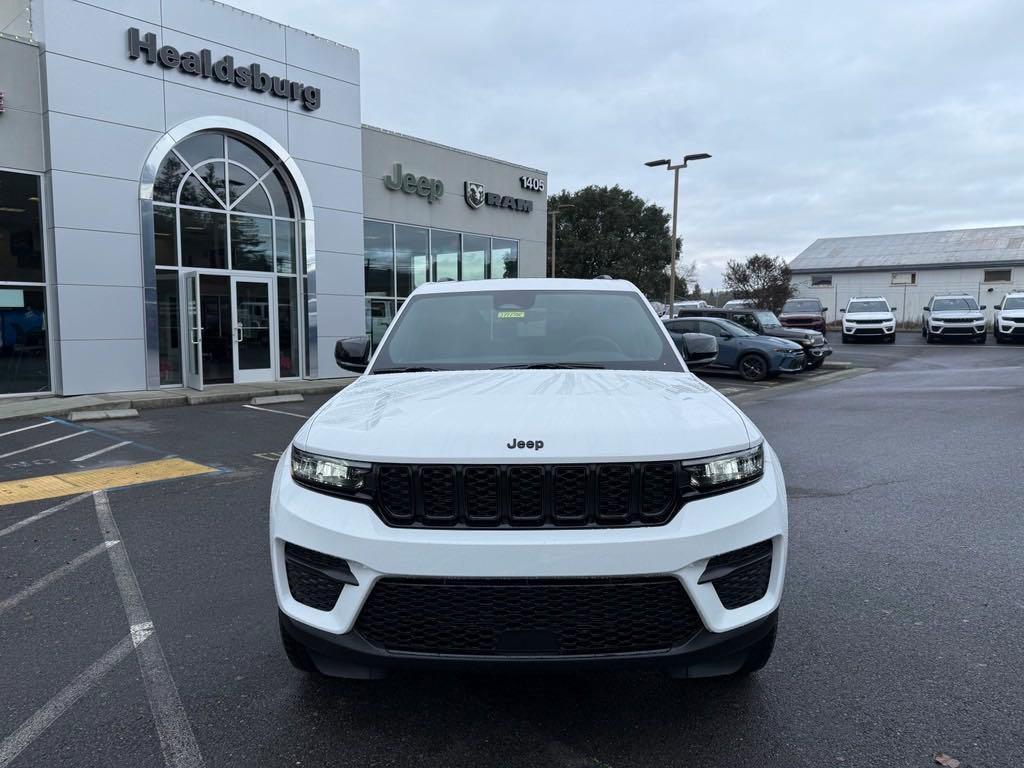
(238, 333)
(197, 334)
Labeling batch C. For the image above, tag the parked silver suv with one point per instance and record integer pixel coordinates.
(953, 315)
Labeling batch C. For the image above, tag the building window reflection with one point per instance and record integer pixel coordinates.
(399, 258)
(24, 346)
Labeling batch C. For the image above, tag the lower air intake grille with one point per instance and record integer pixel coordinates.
(308, 582)
(744, 574)
(540, 617)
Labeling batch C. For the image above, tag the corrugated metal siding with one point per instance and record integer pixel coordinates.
(992, 245)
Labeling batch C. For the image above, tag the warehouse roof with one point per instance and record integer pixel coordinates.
(954, 247)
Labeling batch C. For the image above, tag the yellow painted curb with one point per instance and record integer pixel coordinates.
(68, 483)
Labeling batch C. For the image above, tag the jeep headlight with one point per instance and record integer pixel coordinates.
(329, 474)
(723, 472)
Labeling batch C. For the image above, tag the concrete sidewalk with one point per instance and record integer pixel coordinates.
(164, 398)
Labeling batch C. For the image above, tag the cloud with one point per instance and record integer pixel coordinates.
(824, 119)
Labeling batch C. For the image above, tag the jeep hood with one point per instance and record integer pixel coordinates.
(874, 316)
(782, 332)
(472, 416)
(974, 314)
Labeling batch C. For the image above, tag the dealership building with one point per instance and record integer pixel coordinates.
(188, 197)
(908, 269)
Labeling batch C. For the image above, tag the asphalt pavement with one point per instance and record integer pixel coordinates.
(899, 634)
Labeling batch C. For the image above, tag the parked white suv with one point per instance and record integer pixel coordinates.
(527, 474)
(869, 316)
(953, 316)
(1008, 317)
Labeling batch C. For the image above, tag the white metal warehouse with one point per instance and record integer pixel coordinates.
(907, 269)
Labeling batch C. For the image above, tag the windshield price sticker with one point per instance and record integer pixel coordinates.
(509, 314)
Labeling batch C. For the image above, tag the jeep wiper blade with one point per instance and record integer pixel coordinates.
(526, 366)
(409, 369)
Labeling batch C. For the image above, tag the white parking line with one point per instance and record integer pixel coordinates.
(48, 442)
(177, 742)
(268, 410)
(52, 576)
(40, 515)
(44, 717)
(24, 429)
(94, 454)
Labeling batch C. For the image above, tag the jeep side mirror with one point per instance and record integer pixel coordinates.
(698, 349)
(353, 353)
(983, 306)
(926, 309)
(824, 309)
(893, 309)
(842, 310)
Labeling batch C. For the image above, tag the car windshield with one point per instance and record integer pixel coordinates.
(1013, 302)
(868, 306)
(803, 305)
(526, 328)
(768, 319)
(948, 305)
(734, 328)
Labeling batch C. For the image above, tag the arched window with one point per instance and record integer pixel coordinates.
(224, 204)
(221, 203)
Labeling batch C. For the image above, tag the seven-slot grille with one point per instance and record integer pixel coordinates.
(541, 617)
(529, 495)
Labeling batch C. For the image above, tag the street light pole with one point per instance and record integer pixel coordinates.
(673, 246)
(554, 218)
(673, 249)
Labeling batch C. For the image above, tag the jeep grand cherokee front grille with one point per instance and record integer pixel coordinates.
(528, 495)
(540, 617)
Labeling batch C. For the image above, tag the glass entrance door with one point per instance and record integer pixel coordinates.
(254, 309)
(194, 332)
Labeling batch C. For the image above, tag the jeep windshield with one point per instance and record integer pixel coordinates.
(954, 305)
(474, 330)
(1013, 302)
(867, 306)
(768, 319)
(801, 307)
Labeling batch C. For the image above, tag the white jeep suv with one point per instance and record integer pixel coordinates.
(526, 475)
(953, 316)
(1008, 318)
(869, 316)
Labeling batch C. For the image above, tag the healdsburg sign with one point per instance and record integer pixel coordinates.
(223, 70)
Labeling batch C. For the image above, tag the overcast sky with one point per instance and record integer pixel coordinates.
(824, 118)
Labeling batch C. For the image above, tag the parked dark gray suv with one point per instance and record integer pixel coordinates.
(755, 357)
(765, 323)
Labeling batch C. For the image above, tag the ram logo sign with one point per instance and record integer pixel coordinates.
(477, 195)
(474, 194)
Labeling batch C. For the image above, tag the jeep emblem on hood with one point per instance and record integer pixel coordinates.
(534, 445)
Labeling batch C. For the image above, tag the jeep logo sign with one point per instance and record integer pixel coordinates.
(411, 184)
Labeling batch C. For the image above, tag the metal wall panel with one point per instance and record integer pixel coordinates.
(90, 257)
(324, 56)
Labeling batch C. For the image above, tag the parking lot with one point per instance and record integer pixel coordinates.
(138, 622)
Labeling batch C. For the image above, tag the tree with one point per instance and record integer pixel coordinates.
(761, 278)
(612, 231)
(695, 291)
